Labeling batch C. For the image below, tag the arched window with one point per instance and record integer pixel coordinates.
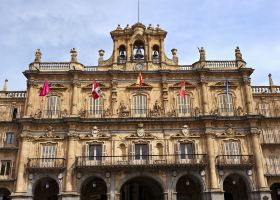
(53, 107)
(95, 107)
(139, 106)
(155, 54)
(225, 104)
(138, 50)
(122, 54)
(184, 105)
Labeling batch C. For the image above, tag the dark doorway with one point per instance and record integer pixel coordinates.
(141, 188)
(235, 188)
(94, 189)
(46, 189)
(275, 191)
(188, 188)
(4, 194)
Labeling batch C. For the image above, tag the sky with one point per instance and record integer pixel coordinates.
(56, 26)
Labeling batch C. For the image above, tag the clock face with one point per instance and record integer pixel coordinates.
(139, 66)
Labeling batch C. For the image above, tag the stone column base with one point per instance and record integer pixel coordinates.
(213, 195)
(20, 196)
(69, 196)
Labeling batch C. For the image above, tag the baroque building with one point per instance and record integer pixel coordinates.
(143, 143)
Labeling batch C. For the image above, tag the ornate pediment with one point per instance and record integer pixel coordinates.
(144, 86)
(96, 134)
(141, 133)
(57, 86)
(222, 84)
(89, 86)
(178, 85)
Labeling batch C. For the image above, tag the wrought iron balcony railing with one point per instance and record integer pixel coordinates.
(191, 160)
(235, 161)
(94, 113)
(8, 175)
(45, 163)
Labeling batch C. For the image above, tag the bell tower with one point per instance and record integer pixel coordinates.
(138, 48)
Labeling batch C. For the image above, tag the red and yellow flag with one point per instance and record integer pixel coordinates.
(139, 80)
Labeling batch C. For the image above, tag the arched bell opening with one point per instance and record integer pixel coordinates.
(4, 194)
(46, 189)
(155, 54)
(141, 188)
(235, 188)
(122, 54)
(138, 50)
(94, 188)
(275, 191)
(188, 188)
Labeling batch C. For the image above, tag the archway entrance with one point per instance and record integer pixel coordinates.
(235, 188)
(141, 188)
(4, 194)
(94, 189)
(46, 189)
(188, 188)
(275, 191)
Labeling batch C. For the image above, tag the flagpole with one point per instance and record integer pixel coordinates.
(138, 10)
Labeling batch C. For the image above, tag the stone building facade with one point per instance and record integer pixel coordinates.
(140, 143)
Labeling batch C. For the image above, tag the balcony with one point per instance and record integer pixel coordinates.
(8, 175)
(142, 161)
(93, 114)
(269, 112)
(46, 164)
(235, 161)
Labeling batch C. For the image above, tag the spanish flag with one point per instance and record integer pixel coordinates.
(139, 80)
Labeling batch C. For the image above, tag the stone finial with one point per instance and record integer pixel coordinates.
(270, 80)
(74, 54)
(127, 27)
(238, 55)
(5, 87)
(174, 52)
(38, 56)
(101, 53)
(119, 27)
(202, 57)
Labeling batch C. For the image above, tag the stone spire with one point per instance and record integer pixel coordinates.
(38, 56)
(5, 87)
(74, 54)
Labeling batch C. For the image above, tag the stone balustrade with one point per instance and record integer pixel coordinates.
(12, 94)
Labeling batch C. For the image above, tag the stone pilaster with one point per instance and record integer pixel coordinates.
(75, 95)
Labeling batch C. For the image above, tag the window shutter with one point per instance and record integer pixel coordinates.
(104, 152)
(4, 138)
(131, 150)
(150, 152)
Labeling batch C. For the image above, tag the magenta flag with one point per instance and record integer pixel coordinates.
(45, 90)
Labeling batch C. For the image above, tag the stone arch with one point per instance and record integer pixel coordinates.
(94, 186)
(87, 177)
(141, 174)
(5, 193)
(243, 175)
(195, 176)
(46, 188)
(39, 177)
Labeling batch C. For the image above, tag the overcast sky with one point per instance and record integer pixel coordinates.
(55, 26)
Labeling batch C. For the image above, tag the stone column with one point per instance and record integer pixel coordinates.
(21, 175)
(256, 147)
(248, 95)
(29, 99)
(75, 94)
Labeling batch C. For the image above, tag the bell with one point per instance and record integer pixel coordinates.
(122, 55)
(138, 54)
(155, 55)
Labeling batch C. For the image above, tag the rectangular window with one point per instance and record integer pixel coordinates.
(232, 150)
(184, 105)
(95, 108)
(48, 155)
(187, 151)
(53, 107)
(141, 152)
(95, 151)
(139, 106)
(225, 104)
(5, 167)
(9, 138)
(273, 164)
